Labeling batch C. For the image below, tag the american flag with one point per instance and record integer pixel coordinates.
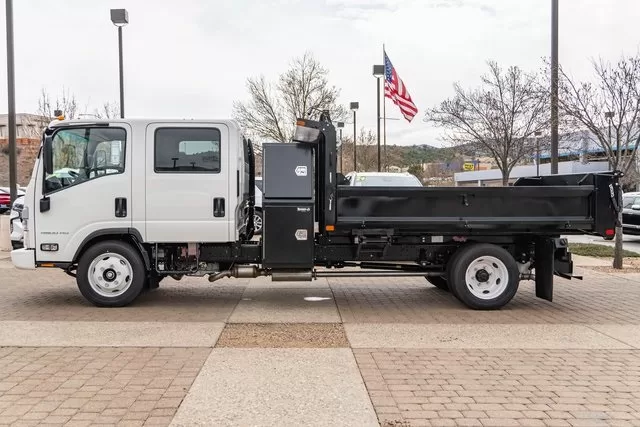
(395, 90)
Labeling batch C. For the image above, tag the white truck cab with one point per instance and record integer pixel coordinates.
(150, 181)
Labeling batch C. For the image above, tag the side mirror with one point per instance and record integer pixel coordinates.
(47, 154)
(635, 207)
(341, 179)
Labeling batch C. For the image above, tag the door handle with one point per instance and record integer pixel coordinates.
(121, 207)
(218, 207)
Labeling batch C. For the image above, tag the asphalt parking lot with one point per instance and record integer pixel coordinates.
(391, 352)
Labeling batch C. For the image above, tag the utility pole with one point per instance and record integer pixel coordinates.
(554, 87)
(378, 72)
(120, 18)
(354, 107)
(11, 94)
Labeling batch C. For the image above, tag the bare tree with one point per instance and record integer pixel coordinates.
(108, 110)
(366, 153)
(301, 92)
(66, 103)
(499, 118)
(609, 108)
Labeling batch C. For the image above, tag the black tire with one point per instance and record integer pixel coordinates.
(504, 268)
(452, 262)
(135, 282)
(439, 282)
(257, 226)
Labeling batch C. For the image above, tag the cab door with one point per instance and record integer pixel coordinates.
(87, 193)
(187, 183)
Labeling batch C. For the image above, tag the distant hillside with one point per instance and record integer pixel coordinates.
(405, 156)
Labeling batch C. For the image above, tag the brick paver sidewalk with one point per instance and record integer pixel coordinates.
(413, 386)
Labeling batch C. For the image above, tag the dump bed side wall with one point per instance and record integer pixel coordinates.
(562, 204)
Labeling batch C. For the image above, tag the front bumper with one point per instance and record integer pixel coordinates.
(24, 259)
(633, 229)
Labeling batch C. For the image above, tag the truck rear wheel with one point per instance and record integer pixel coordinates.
(484, 276)
(111, 274)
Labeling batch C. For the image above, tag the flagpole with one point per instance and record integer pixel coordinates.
(384, 115)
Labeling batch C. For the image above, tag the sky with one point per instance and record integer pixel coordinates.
(191, 59)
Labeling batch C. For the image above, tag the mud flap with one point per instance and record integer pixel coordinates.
(544, 260)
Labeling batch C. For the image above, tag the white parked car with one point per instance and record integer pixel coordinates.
(383, 179)
(15, 223)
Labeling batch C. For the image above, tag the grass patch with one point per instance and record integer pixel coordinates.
(600, 251)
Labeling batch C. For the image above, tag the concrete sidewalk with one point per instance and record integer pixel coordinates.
(284, 387)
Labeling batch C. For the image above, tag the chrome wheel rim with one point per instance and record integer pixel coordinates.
(487, 277)
(257, 222)
(110, 275)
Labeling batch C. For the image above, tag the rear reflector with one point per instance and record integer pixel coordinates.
(609, 232)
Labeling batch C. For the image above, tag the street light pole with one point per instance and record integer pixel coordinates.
(11, 92)
(340, 126)
(378, 118)
(378, 72)
(121, 72)
(354, 108)
(554, 87)
(538, 133)
(120, 18)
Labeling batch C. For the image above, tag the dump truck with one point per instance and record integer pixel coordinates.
(122, 204)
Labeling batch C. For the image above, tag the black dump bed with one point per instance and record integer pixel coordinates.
(560, 204)
(583, 203)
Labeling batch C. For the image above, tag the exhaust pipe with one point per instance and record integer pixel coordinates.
(240, 272)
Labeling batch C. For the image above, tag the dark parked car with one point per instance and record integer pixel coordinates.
(631, 213)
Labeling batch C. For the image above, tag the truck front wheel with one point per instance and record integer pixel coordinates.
(111, 274)
(484, 276)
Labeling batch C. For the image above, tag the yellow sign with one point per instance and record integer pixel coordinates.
(468, 166)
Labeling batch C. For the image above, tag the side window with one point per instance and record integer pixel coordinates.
(83, 154)
(187, 150)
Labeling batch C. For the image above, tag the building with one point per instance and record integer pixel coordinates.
(27, 125)
(493, 177)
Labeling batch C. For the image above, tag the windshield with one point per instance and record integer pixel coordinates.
(629, 201)
(387, 181)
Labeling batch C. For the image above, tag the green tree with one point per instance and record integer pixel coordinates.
(417, 171)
